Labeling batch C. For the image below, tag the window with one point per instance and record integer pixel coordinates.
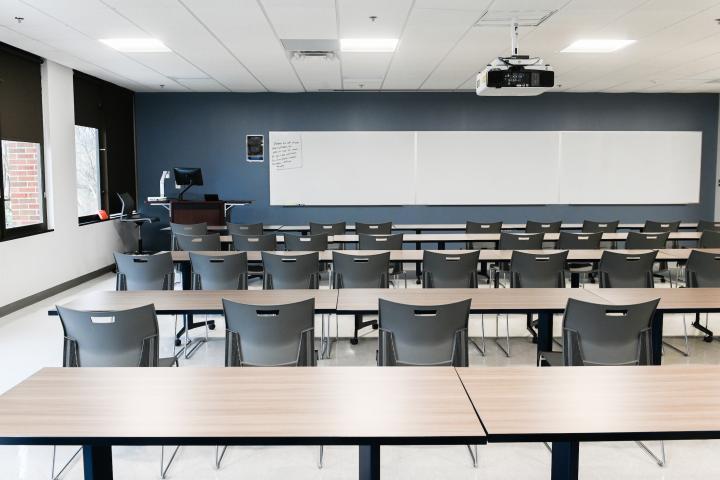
(87, 164)
(21, 145)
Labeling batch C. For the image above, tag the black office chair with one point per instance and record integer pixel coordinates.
(128, 215)
(245, 228)
(384, 228)
(360, 271)
(255, 243)
(709, 239)
(626, 270)
(654, 226)
(591, 226)
(530, 270)
(338, 228)
(702, 270)
(306, 243)
(646, 241)
(542, 227)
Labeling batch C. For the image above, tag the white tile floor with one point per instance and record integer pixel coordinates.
(30, 339)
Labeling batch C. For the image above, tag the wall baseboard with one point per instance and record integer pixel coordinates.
(37, 297)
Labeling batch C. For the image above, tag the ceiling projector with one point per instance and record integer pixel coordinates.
(516, 75)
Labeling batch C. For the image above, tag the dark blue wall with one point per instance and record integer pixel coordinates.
(208, 130)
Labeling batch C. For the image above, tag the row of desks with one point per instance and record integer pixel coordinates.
(365, 406)
(544, 302)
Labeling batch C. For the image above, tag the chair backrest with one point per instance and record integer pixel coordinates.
(290, 271)
(483, 227)
(530, 270)
(270, 335)
(653, 226)
(705, 225)
(306, 243)
(120, 338)
(450, 270)
(423, 335)
(626, 270)
(219, 272)
(245, 228)
(127, 203)
(360, 271)
(591, 226)
(144, 272)
(338, 228)
(255, 243)
(198, 243)
(520, 241)
(646, 241)
(575, 241)
(596, 334)
(702, 270)
(189, 228)
(709, 239)
(542, 227)
(380, 242)
(373, 228)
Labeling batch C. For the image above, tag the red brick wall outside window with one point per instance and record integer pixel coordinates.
(21, 181)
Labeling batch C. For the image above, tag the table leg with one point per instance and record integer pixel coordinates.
(565, 458)
(97, 462)
(656, 338)
(545, 329)
(369, 462)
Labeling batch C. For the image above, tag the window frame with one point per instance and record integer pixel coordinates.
(102, 160)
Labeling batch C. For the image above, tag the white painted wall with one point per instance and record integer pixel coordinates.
(32, 264)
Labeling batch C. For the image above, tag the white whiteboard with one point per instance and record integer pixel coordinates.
(347, 168)
(487, 168)
(630, 167)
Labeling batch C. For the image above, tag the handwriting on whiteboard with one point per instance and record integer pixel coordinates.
(285, 151)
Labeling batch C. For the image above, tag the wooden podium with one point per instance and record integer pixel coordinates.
(212, 212)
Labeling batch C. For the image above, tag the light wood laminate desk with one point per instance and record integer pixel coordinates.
(568, 405)
(102, 407)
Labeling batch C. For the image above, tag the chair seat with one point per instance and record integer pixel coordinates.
(167, 362)
(554, 359)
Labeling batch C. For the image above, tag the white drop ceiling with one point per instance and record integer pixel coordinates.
(236, 45)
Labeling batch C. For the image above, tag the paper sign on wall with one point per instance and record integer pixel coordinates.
(286, 151)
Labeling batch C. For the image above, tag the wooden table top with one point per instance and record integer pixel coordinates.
(596, 403)
(483, 299)
(198, 301)
(671, 299)
(337, 405)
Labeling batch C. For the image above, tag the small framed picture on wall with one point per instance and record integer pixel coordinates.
(255, 148)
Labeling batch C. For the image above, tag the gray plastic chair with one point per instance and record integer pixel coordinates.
(709, 239)
(219, 272)
(520, 241)
(423, 335)
(531, 270)
(360, 271)
(626, 270)
(702, 271)
(705, 225)
(338, 228)
(646, 241)
(654, 226)
(144, 272)
(306, 243)
(608, 335)
(245, 228)
(291, 271)
(580, 241)
(255, 243)
(119, 338)
(445, 270)
(591, 226)
(380, 242)
(198, 243)
(373, 228)
(482, 227)
(542, 227)
(186, 229)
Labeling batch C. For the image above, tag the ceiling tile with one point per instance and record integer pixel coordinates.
(302, 18)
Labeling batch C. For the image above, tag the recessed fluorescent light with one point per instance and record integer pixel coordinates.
(598, 45)
(136, 45)
(368, 45)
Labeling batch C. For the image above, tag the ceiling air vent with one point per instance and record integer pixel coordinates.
(524, 18)
(299, 49)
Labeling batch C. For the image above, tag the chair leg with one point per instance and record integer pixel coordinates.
(322, 455)
(660, 461)
(164, 468)
(219, 455)
(473, 450)
(482, 331)
(685, 352)
(506, 350)
(55, 476)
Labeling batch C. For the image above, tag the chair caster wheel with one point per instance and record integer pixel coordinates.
(211, 326)
(375, 326)
(353, 341)
(177, 342)
(708, 339)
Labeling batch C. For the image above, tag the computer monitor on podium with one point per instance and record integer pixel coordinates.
(187, 177)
